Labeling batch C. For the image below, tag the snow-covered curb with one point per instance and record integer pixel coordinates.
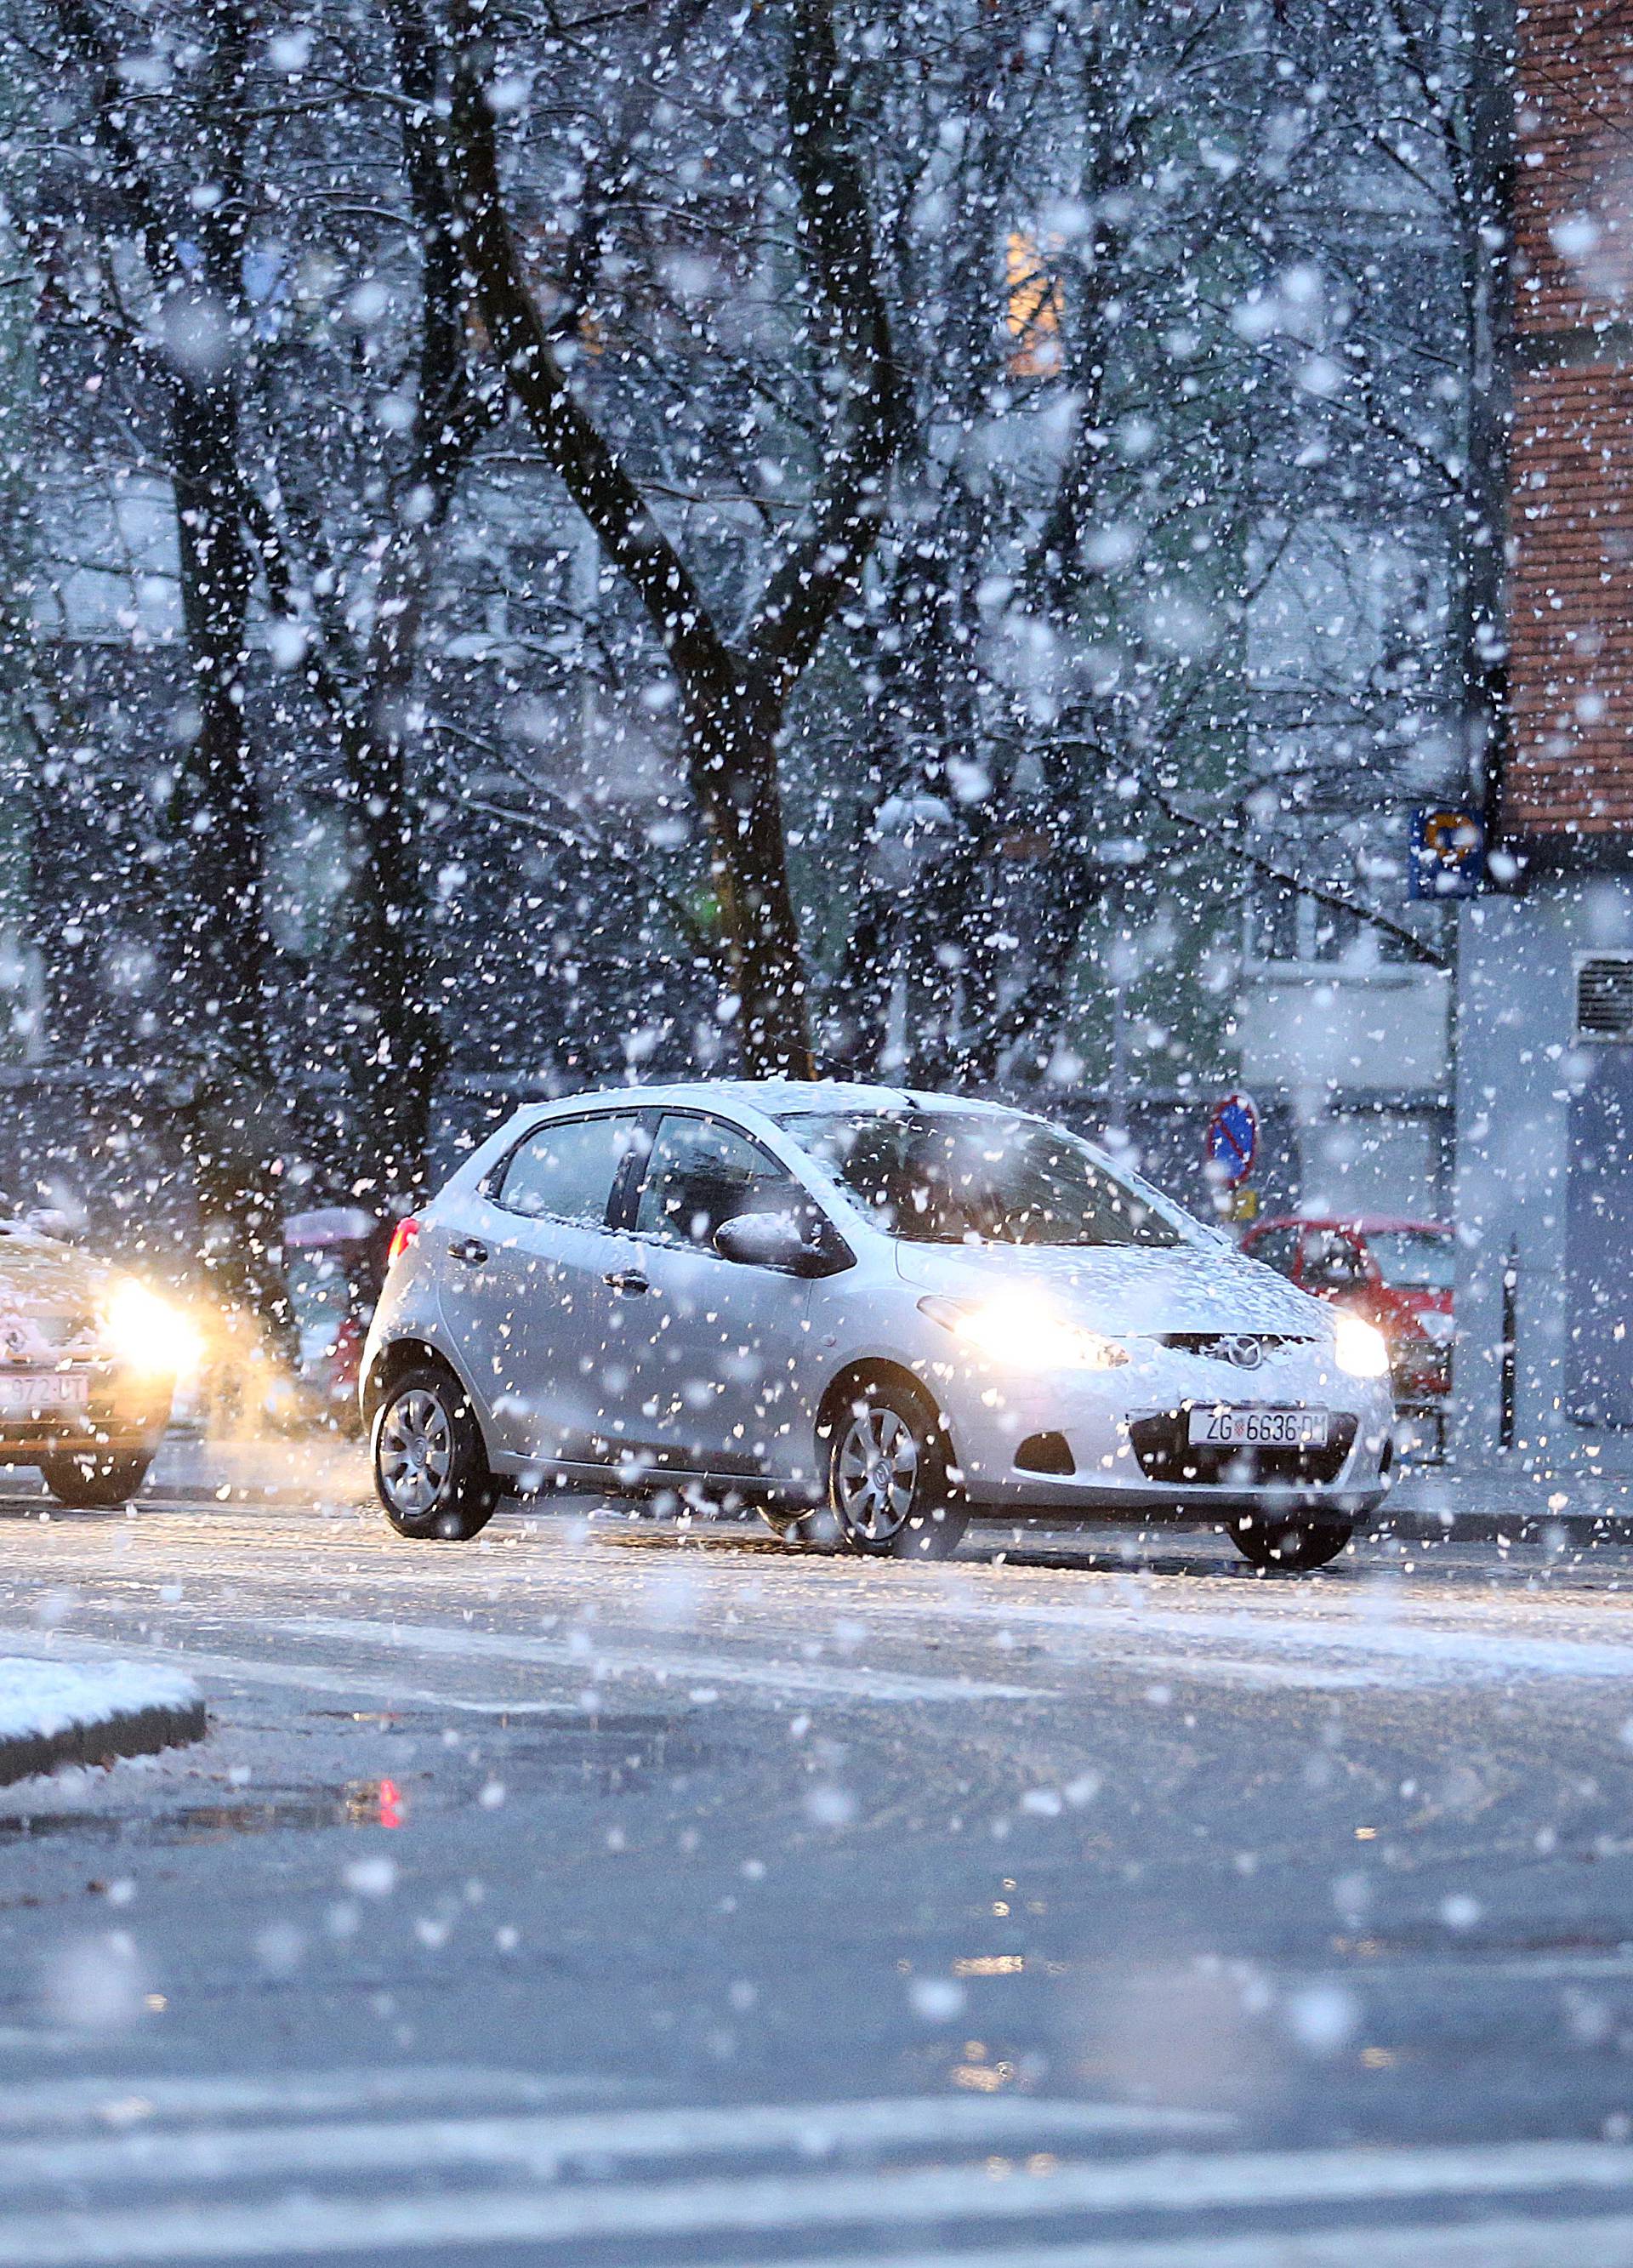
(58, 1712)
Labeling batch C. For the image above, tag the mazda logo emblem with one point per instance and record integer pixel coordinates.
(1246, 1353)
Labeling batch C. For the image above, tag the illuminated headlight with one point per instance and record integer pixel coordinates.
(145, 1333)
(1023, 1336)
(1358, 1348)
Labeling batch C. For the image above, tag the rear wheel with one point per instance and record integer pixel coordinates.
(1292, 1542)
(89, 1481)
(430, 1468)
(890, 1485)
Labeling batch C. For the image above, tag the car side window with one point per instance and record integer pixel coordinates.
(702, 1173)
(564, 1170)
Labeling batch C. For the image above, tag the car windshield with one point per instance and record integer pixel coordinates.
(1414, 1260)
(956, 1177)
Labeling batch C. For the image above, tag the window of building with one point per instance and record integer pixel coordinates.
(1285, 923)
(1033, 306)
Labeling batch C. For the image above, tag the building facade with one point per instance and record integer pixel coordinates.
(1544, 1184)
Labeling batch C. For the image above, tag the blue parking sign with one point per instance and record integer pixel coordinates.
(1232, 1139)
(1448, 854)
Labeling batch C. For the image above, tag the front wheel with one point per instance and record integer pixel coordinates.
(890, 1482)
(1293, 1544)
(430, 1469)
(90, 1481)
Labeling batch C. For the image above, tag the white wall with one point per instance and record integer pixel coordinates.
(1318, 1032)
(1516, 1073)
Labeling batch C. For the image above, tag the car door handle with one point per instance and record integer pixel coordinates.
(626, 1279)
(468, 1248)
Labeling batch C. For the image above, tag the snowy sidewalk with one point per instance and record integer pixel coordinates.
(1434, 1500)
(57, 1712)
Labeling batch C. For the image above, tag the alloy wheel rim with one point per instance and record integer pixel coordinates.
(416, 1452)
(878, 1474)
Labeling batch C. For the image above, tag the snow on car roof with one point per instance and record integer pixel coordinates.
(771, 1096)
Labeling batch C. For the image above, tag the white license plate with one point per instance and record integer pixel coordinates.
(43, 1390)
(1259, 1429)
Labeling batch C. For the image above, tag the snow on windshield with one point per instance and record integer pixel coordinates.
(949, 1177)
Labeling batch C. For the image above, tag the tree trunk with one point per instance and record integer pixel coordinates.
(224, 976)
(731, 750)
(733, 699)
(405, 1050)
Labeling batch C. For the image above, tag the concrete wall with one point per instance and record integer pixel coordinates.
(1524, 1089)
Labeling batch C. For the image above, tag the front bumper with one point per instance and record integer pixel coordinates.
(123, 1415)
(1117, 1440)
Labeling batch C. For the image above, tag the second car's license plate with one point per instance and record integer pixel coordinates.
(1259, 1429)
(42, 1389)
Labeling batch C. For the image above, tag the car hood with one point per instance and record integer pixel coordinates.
(39, 1276)
(1124, 1290)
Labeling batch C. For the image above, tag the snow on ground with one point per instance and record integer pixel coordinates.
(41, 1698)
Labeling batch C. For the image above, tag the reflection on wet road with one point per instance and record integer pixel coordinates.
(1215, 1907)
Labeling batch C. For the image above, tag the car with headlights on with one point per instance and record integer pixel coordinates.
(875, 1313)
(88, 1360)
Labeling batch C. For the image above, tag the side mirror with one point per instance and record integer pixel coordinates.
(783, 1241)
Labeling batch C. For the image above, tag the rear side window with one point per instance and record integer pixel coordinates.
(565, 1171)
(701, 1174)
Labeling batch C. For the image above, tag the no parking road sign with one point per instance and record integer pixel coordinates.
(1232, 1139)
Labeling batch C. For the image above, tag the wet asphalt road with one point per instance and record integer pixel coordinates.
(604, 1892)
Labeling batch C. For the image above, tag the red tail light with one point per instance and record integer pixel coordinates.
(401, 1237)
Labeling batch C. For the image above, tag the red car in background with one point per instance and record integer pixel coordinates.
(1399, 1274)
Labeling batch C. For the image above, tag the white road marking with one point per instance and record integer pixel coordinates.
(250, 1669)
(543, 2146)
(1280, 1676)
(121, 2105)
(628, 1656)
(582, 2213)
(1477, 1970)
(1432, 1653)
(1599, 2243)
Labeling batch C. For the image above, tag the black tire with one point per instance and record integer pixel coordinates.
(430, 1463)
(94, 1480)
(891, 1489)
(1292, 1542)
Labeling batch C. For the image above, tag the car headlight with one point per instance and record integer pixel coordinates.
(1022, 1335)
(146, 1333)
(1358, 1348)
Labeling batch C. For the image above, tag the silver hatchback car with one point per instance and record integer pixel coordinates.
(872, 1312)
